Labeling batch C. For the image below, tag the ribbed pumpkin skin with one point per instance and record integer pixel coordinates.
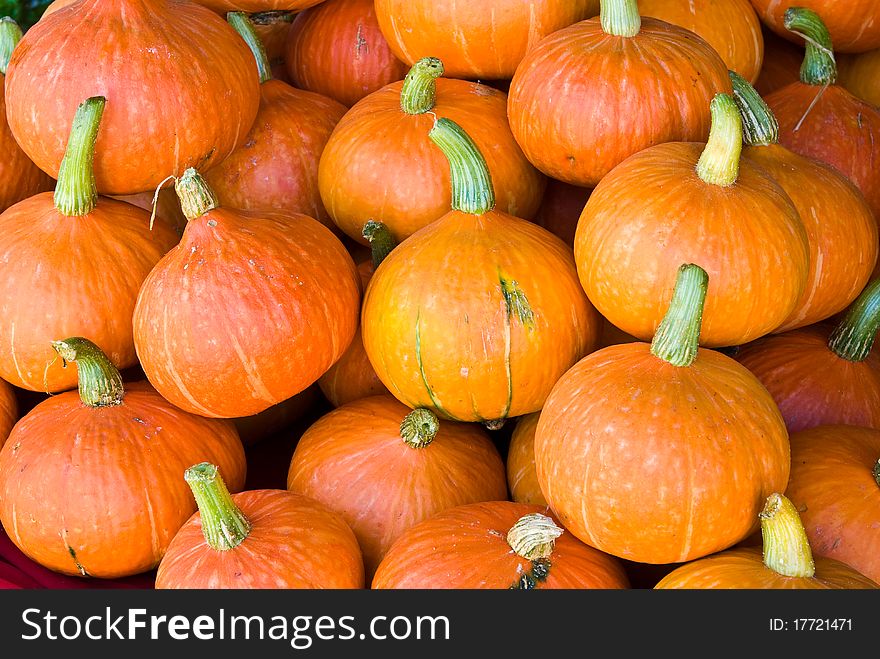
(841, 130)
(106, 484)
(652, 213)
(860, 75)
(582, 101)
(71, 276)
(730, 26)
(483, 39)
(841, 230)
(854, 25)
(811, 385)
(354, 461)
(833, 487)
(380, 163)
(170, 125)
(522, 477)
(246, 313)
(743, 568)
(338, 50)
(9, 410)
(439, 333)
(277, 166)
(655, 463)
(294, 542)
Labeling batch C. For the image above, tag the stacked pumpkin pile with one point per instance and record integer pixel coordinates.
(602, 320)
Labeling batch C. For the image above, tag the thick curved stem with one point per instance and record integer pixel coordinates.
(472, 190)
(719, 162)
(76, 192)
(420, 86)
(759, 124)
(854, 336)
(242, 24)
(786, 547)
(381, 240)
(100, 383)
(223, 524)
(677, 339)
(10, 35)
(819, 66)
(620, 17)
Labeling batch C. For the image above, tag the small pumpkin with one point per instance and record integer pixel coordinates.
(476, 315)
(522, 477)
(690, 202)
(258, 539)
(90, 479)
(661, 453)
(249, 309)
(337, 49)
(492, 545)
(588, 96)
(785, 561)
(825, 374)
(854, 25)
(380, 164)
(385, 467)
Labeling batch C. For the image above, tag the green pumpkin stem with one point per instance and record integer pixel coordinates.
(620, 17)
(380, 239)
(854, 336)
(533, 536)
(786, 546)
(223, 524)
(472, 190)
(419, 90)
(100, 383)
(75, 191)
(419, 428)
(819, 67)
(242, 24)
(10, 35)
(677, 339)
(196, 197)
(719, 162)
(759, 124)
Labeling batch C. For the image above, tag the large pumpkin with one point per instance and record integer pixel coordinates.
(689, 202)
(587, 96)
(854, 24)
(72, 263)
(478, 314)
(249, 309)
(661, 453)
(496, 544)
(90, 479)
(155, 125)
(379, 163)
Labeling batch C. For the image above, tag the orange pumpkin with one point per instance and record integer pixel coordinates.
(380, 164)
(90, 479)
(485, 39)
(75, 52)
(587, 96)
(684, 202)
(72, 263)
(385, 467)
(337, 49)
(249, 309)
(497, 544)
(841, 228)
(824, 374)
(835, 485)
(661, 453)
(258, 539)
(478, 314)
(854, 25)
(522, 477)
(730, 26)
(785, 561)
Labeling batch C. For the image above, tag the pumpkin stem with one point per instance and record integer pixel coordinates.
(786, 546)
(759, 124)
(10, 35)
(876, 472)
(533, 536)
(419, 427)
(853, 338)
(677, 339)
(242, 24)
(420, 87)
(381, 240)
(719, 162)
(272, 16)
(223, 524)
(100, 383)
(472, 190)
(75, 191)
(819, 66)
(196, 198)
(620, 17)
